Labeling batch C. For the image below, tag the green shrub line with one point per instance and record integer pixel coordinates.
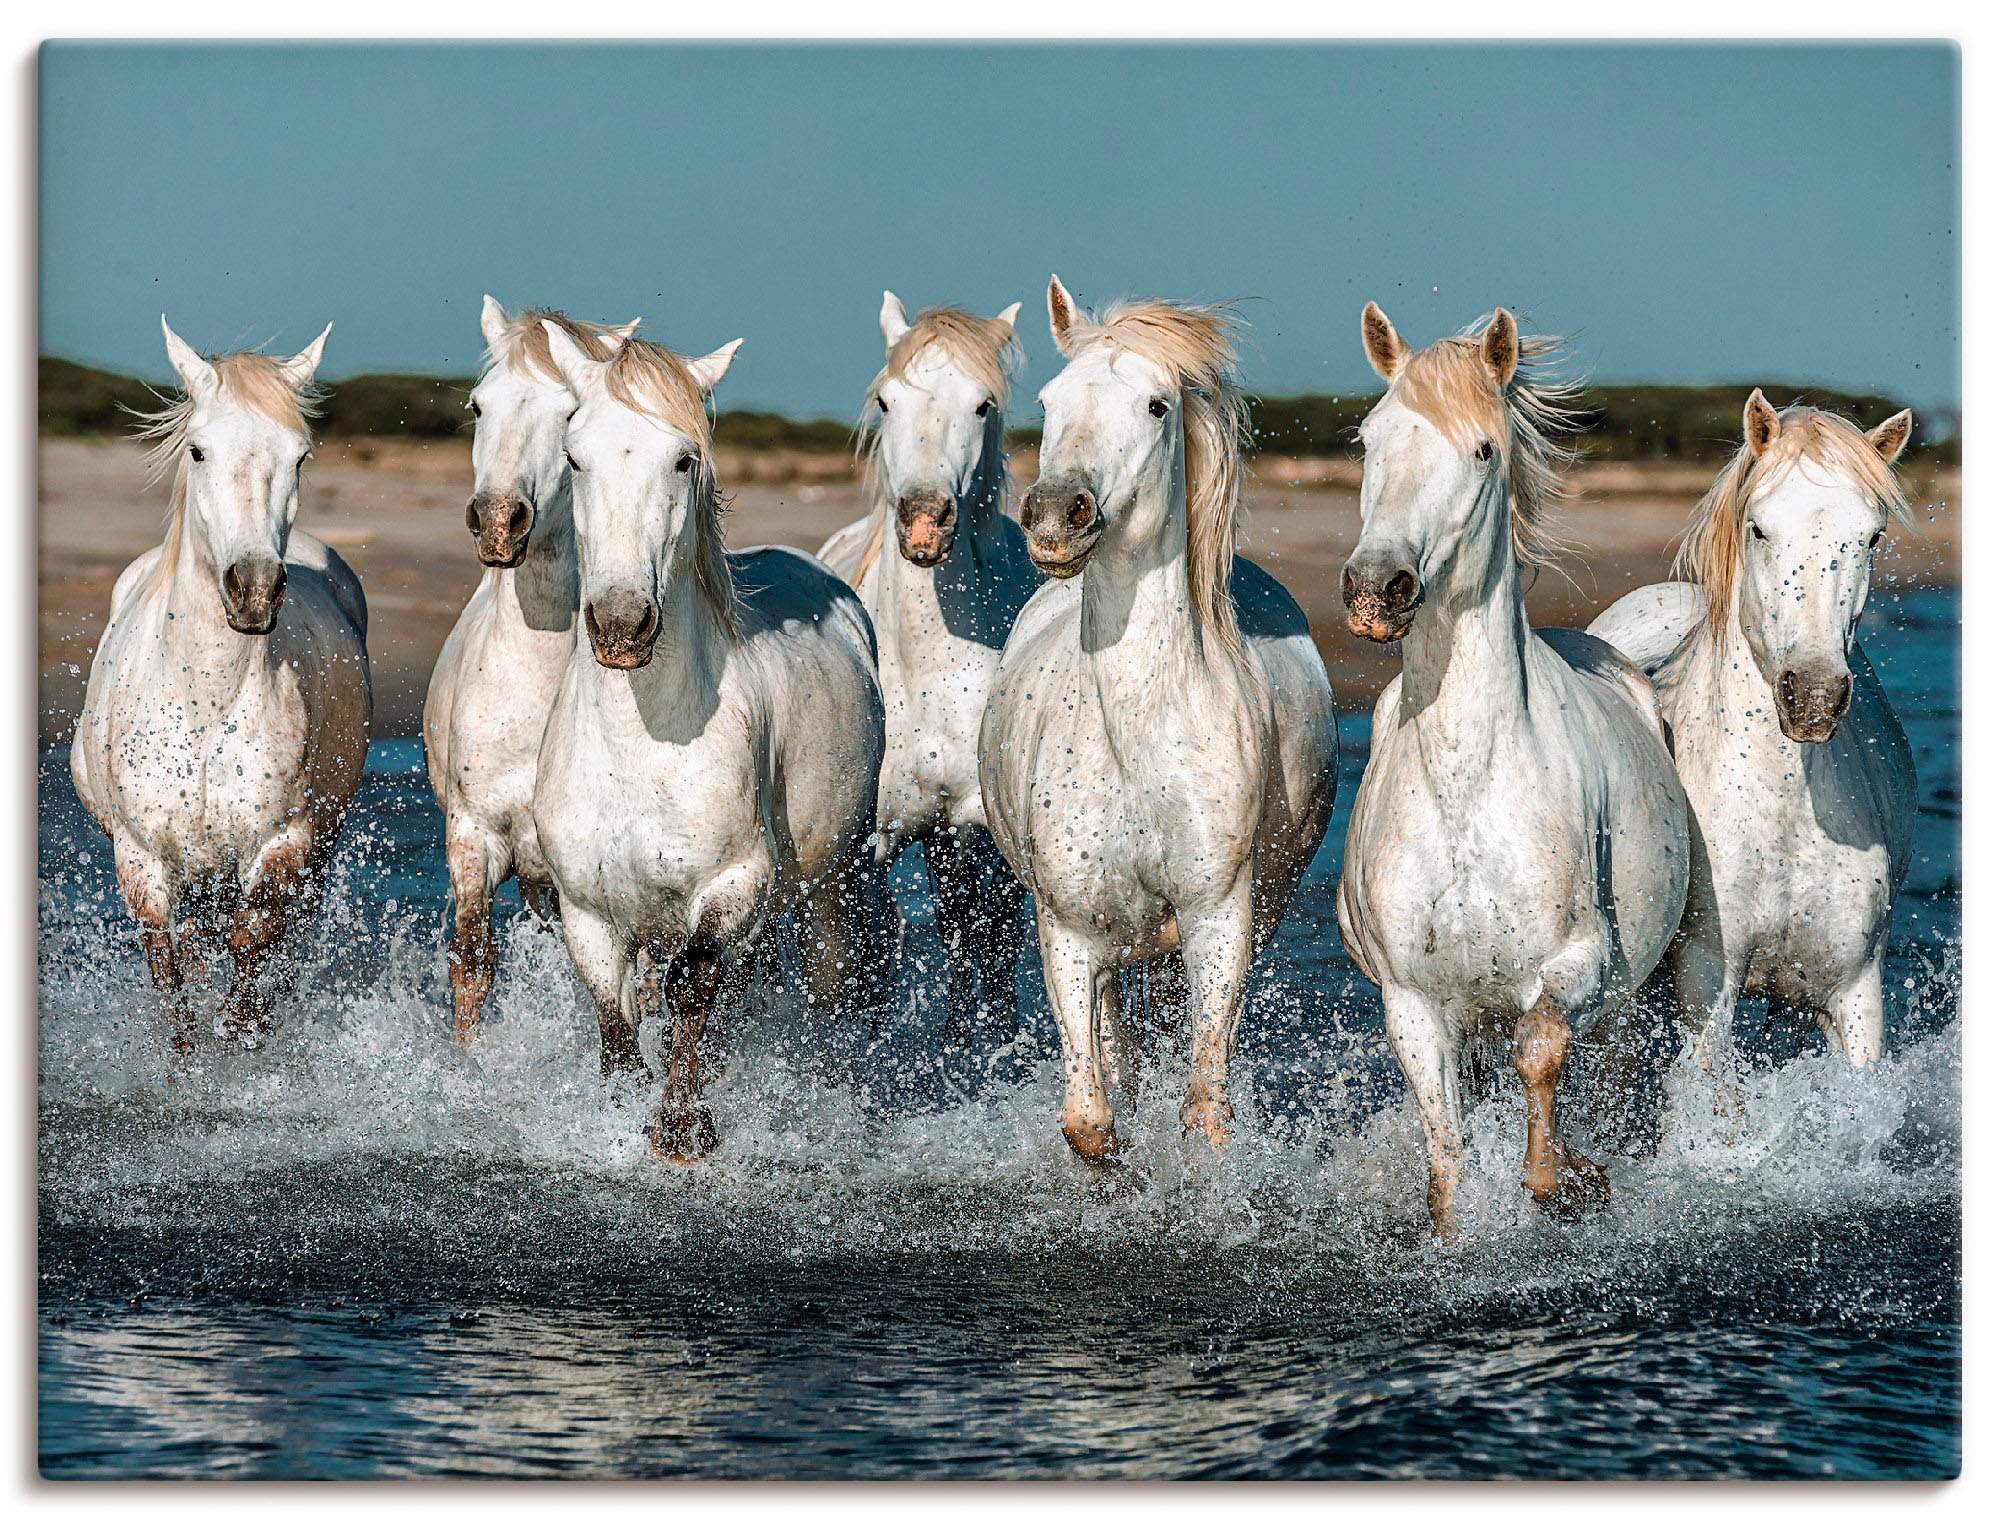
(1675, 423)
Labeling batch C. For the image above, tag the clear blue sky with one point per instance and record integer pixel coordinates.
(1692, 213)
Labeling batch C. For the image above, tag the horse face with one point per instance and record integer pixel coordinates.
(1420, 492)
(242, 487)
(632, 489)
(1111, 442)
(1807, 547)
(517, 460)
(935, 427)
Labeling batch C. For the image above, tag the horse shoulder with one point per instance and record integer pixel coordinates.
(1604, 667)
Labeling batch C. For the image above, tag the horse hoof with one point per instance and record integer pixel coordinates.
(1212, 1122)
(1580, 1187)
(1096, 1143)
(682, 1139)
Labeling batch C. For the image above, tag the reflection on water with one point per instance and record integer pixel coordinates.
(359, 1252)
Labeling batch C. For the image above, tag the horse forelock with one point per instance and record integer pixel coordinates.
(523, 345)
(1711, 551)
(1449, 385)
(1195, 347)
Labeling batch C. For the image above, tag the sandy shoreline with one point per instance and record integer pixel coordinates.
(396, 511)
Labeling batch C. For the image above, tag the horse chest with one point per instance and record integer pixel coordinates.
(933, 694)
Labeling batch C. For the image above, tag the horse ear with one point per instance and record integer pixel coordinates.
(1009, 314)
(197, 374)
(492, 320)
(1387, 352)
(709, 369)
(895, 321)
(303, 365)
(1500, 346)
(576, 367)
(1893, 436)
(1062, 314)
(614, 340)
(1760, 423)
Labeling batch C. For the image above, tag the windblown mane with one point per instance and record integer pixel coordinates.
(256, 382)
(1448, 383)
(523, 347)
(656, 383)
(1194, 345)
(1711, 551)
(986, 348)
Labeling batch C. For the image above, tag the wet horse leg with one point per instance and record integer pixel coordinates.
(1428, 1055)
(685, 1129)
(1553, 1177)
(606, 965)
(284, 892)
(1216, 948)
(475, 872)
(1075, 977)
(979, 919)
(147, 899)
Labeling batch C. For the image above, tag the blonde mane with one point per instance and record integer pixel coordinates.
(256, 382)
(1194, 346)
(657, 383)
(1711, 551)
(986, 348)
(523, 345)
(1448, 383)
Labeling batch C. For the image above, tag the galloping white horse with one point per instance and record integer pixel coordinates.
(1518, 854)
(712, 754)
(1800, 780)
(497, 673)
(226, 721)
(942, 606)
(1157, 756)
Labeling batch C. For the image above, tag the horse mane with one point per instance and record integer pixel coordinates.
(657, 384)
(1194, 345)
(256, 382)
(523, 346)
(1711, 551)
(1448, 383)
(985, 347)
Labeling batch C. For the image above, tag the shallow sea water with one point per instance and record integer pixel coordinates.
(358, 1252)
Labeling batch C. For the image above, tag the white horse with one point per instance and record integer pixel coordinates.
(1518, 853)
(942, 606)
(1800, 780)
(712, 754)
(496, 676)
(226, 720)
(1157, 756)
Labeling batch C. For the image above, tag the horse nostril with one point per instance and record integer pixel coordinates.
(517, 519)
(232, 582)
(278, 585)
(1082, 510)
(1843, 694)
(1788, 688)
(1348, 589)
(648, 619)
(472, 515)
(1401, 590)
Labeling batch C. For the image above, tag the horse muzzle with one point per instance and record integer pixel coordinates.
(622, 634)
(1810, 707)
(1381, 599)
(251, 592)
(500, 522)
(925, 521)
(1063, 524)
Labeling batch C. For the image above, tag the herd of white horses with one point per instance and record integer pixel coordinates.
(1094, 704)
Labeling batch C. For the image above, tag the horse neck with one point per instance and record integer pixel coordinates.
(1465, 657)
(193, 605)
(1715, 684)
(543, 587)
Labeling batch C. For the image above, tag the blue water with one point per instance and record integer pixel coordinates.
(358, 1252)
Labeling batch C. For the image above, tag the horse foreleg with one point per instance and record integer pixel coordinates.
(1854, 1017)
(475, 872)
(1074, 977)
(147, 898)
(845, 942)
(605, 964)
(1216, 949)
(1429, 1058)
(283, 891)
(685, 1129)
(979, 919)
(1553, 1177)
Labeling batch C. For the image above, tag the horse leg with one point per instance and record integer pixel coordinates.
(955, 891)
(1075, 979)
(979, 919)
(1554, 1178)
(604, 962)
(685, 1129)
(144, 888)
(999, 931)
(542, 900)
(1428, 1055)
(1216, 948)
(476, 870)
(283, 892)
(843, 937)
(1854, 1017)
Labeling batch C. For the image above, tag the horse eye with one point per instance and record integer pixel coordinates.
(881, 403)
(570, 460)
(1756, 532)
(982, 408)
(1485, 450)
(196, 454)
(683, 464)
(475, 407)
(1157, 407)
(1876, 541)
